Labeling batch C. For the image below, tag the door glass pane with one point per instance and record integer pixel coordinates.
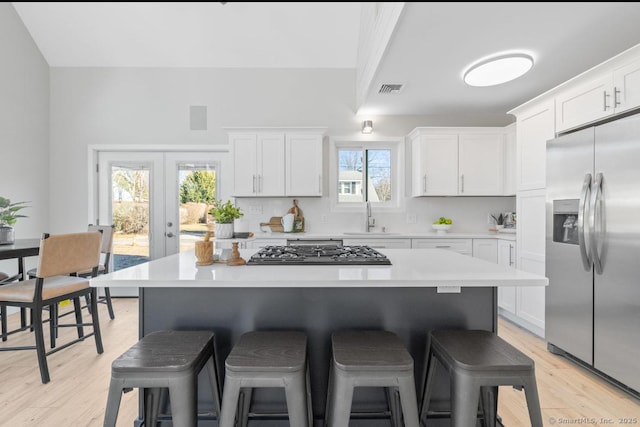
(379, 175)
(197, 192)
(130, 214)
(350, 176)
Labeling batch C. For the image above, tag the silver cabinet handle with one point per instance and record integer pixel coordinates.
(597, 216)
(259, 183)
(254, 184)
(442, 247)
(320, 184)
(585, 194)
(424, 183)
(606, 95)
(616, 98)
(462, 183)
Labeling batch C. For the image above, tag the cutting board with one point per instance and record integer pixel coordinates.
(275, 224)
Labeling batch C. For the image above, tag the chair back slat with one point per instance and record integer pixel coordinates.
(64, 254)
(107, 236)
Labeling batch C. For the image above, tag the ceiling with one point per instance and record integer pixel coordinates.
(431, 46)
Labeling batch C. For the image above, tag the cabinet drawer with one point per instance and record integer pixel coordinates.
(379, 243)
(463, 246)
(261, 243)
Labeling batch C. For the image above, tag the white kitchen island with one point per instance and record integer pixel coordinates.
(423, 289)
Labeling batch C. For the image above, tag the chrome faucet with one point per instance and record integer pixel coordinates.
(370, 221)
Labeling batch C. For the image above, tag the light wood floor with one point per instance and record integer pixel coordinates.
(76, 395)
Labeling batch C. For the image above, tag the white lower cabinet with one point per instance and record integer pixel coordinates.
(379, 243)
(507, 257)
(486, 249)
(463, 246)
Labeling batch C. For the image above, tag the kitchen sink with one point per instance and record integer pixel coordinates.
(369, 233)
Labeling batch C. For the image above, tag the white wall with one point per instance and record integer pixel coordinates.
(151, 106)
(24, 126)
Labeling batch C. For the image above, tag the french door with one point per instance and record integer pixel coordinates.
(158, 201)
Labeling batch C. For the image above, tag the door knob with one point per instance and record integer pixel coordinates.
(170, 234)
(169, 224)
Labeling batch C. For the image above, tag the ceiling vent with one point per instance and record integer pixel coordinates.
(390, 88)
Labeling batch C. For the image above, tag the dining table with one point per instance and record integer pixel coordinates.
(20, 249)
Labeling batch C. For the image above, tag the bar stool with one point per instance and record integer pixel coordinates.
(478, 362)
(165, 360)
(267, 359)
(370, 359)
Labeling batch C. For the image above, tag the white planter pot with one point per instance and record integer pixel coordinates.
(224, 231)
(7, 235)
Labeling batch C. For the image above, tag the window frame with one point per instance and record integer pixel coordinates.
(396, 145)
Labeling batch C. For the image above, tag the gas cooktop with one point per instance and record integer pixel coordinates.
(318, 255)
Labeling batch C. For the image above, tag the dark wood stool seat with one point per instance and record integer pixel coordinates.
(169, 360)
(478, 362)
(370, 359)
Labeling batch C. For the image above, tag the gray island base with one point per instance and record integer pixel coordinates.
(408, 303)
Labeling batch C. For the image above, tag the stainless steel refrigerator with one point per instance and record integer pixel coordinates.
(593, 248)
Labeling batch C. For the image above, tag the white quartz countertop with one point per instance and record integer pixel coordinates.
(374, 235)
(446, 270)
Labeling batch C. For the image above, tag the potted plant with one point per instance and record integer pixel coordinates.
(8, 216)
(499, 220)
(223, 215)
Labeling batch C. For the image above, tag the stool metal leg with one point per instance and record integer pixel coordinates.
(426, 398)
(230, 395)
(113, 403)
(341, 397)
(152, 397)
(393, 401)
(408, 401)
(309, 402)
(213, 380)
(296, 390)
(465, 396)
(533, 402)
(244, 406)
(183, 398)
(489, 405)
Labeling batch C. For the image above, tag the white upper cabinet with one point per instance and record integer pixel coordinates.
(606, 93)
(534, 127)
(435, 165)
(457, 161)
(510, 161)
(303, 165)
(481, 164)
(277, 163)
(258, 164)
(626, 82)
(584, 104)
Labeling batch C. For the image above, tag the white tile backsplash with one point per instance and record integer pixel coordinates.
(469, 214)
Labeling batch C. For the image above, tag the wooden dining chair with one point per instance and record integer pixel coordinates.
(60, 256)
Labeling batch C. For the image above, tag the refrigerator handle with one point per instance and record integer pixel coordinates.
(597, 217)
(582, 241)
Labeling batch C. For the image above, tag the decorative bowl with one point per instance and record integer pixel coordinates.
(441, 228)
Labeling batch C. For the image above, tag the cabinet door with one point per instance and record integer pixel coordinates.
(304, 165)
(586, 103)
(435, 164)
(486, 249)
(481, 164)
(245, 163)
(533, 129)
(507, 294)
(626, 81)
(506, 253)
(510, 161)
(271, 161)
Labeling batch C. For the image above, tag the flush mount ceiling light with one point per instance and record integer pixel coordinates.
(498, 69)
(367, 126)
